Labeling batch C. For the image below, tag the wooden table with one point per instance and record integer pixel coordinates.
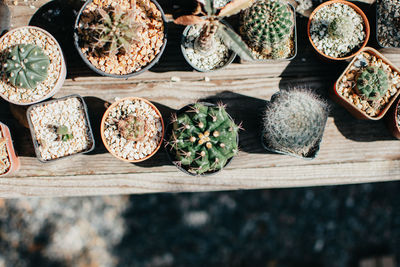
(352, 151)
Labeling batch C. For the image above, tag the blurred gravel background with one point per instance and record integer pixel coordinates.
(322, 226)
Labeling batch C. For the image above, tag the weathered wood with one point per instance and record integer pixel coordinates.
(352, 151)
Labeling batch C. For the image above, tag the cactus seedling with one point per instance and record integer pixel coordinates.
(64, 134)
(27, 66)
(294, 122)
(204, 138)
(267, 25)
(132, 128)
(341, 27)
(373, 83)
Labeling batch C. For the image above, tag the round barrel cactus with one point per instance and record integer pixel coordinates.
(27, 65)
(267, 24)
(294, 122)
(373, 83)
(204, 138)
(132, 128)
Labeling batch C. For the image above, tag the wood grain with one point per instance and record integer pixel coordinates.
(352, 151)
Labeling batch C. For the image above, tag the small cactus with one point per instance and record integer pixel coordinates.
(64, 133)
(341, 27)
(27, 65)
(372, 83)
(294, 122)
(267, 24)
(132, 128)
(110, 30)
(204, 138)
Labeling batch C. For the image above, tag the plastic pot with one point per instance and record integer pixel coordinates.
(14, 160)
(171, 155)
(354, 110)
(33, 134)
(102, 128)
(358, 10)
(123, 76)
(61, 76)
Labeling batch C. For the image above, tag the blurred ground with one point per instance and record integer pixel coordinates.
(325, 226)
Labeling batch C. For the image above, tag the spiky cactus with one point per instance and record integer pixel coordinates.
(267, 24)
(372, 83)
(294, 122)
(204, 138)
(341, 27)
(112, 31)
(27, 65)
(132, 128)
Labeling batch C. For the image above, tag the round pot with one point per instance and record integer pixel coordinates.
(358, 10)
(61, 75)
(14, 160)
(102, 128)
(124, 76)
(183, 49)
(392, 120)
(171, 155)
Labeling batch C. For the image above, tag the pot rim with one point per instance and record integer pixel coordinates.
(13, 158)
(123, 76)
(105, 115)
(358, 10)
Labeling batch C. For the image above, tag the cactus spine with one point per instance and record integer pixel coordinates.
(372, 83)
(267, 24)
(204, 138)
(27, 65)
(132, 128)
(294, 122)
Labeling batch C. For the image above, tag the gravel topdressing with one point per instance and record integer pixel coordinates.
(5, 163)
(388, 17)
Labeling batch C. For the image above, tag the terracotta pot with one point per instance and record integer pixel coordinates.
(14, 160)
(124, 76)
(355, 111)
(358, 10)
(102, 128)
(392, 120)
(61, 76)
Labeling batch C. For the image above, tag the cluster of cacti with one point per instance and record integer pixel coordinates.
(64, 134)
(26, 66)
(341, 27)
(132, 128)
(294, 122)
(267, 26)
(372, 83)
(204, 138)
(113, 31)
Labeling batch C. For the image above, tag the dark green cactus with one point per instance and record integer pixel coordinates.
(132, 128)
(341, 27)
(267, 24)
(64, 133)
(27, 65)
(204, 138)
(294, 122)
(373, 83)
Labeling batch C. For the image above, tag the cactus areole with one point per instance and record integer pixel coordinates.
(27, 66)
(372, 83)
(203, 139)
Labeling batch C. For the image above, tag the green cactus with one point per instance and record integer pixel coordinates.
(372, 83)
(113, 31)
(204, 138)
(294, 122)
(341, 27)
(27, 65)
(132, 128)
(267, 24)
(64, 134)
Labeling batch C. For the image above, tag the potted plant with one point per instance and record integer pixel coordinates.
(269, 29)
(338, 29)
(209, 43)
(368, 86)
(388, 23)
(9, 162)
(294, 123)
(132, 129)
(120, 39)
(202, 139)
(60, 128)
(393, 120)
(33, 66)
